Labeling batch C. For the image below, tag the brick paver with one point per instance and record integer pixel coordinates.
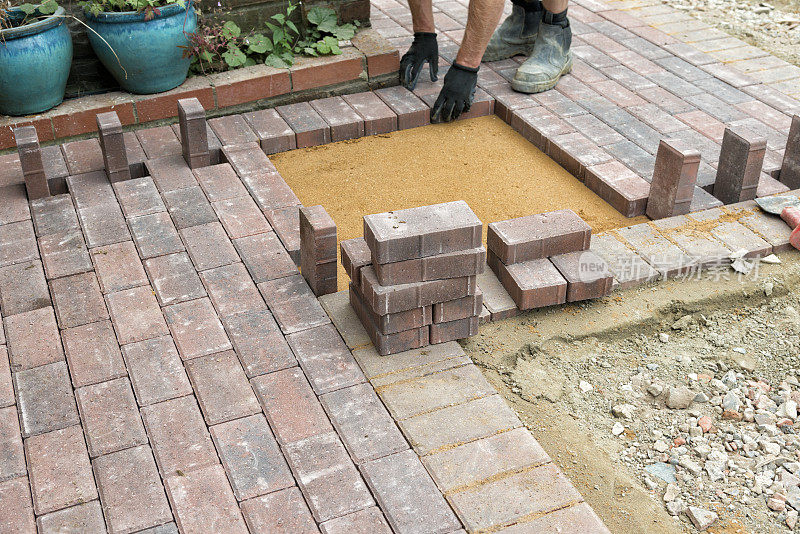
(17, 513)
(110, 417)
(196, 329)
(221, 387)
(33, 339)
(87, 517)
(12, 456)
(45, 399)
(281, 510)
(156, 371)
(136, 315)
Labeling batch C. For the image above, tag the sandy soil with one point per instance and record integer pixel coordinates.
(482, 161)
(537, 360)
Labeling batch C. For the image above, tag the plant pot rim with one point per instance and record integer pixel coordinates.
(51, 21)
(121, 17)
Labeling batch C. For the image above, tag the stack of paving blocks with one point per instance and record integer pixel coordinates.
(544, 259)
(413, 276)
(318, 250)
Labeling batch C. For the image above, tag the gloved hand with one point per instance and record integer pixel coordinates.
(424, 48)
(456, 96)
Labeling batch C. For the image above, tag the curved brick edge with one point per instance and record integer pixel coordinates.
(372, 62)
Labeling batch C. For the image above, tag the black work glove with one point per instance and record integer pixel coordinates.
(456, 95)
(424, 48)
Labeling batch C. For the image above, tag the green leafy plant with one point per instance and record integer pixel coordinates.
(324, 33)
(29, 13)
(149, 7)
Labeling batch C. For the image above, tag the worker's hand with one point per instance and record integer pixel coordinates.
(424, 48)
(456, 96)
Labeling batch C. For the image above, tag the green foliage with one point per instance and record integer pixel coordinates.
(218, 47)
(149, 7)
(32, 12)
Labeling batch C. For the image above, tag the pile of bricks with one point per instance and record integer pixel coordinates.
(413, 276)
(544, 259)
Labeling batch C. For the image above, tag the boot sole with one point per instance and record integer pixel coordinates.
(488, 58)
(540, 87)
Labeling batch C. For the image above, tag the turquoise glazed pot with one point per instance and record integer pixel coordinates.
(149, 50)
(34, 64)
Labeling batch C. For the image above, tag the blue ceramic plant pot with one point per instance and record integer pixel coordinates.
(150, 57)
(34, 64)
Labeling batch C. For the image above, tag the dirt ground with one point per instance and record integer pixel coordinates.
(539, 360)
(482, 161)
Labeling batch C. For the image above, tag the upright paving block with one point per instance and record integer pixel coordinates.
(194, 133)
(615, 183)
(790, 169)
(739, 167)
(538, 236)
(112, 143)
(424, 231)
(674, 179)
(318, 249)
(30, 158)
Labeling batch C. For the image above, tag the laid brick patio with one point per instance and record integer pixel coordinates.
(163, 364)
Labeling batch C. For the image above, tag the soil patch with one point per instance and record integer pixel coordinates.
(482, 161)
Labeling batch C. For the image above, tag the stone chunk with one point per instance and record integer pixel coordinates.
(674, 179)
(538, 236)
(701, 518)
(30, 158)
(112, 143)
(424, 231)
(194, 133)
(739, 167)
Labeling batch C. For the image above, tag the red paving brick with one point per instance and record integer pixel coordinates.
(156, 371)
(87, 517)
(367, 521)
(118, 267)
(283, 510)
(219, 182)
(345, 123)
(273, 132)
(23, 288)
(174, 278)
(131, 491)
(170, 173)
(325, 359)
(45, 399)
(6, 387)
(155, 235)
(135, 315)
(196, 329)
(265, 257)
(110, 417)
(221, 387)
(138, 197)
(53, 214)
(12, 455)
(64, 253)
(17, 513)
(203, 502)
(33, 339)
(18, 243)
(189, 207)
(231, 290)
(293, 304)
(241, 217)
(59, 470)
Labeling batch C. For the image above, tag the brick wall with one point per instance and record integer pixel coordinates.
(88, 76)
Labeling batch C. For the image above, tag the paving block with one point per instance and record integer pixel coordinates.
(265, 257)
(345, 123)
(136, 315)
(103, 225)
(203, 502)
(118, 267)
(293, 304)
(322, 467)
(11, 451)
(703, 200)
(6, 386)
(410, 364)
(767, 185)
(538, 236)
(355, 254)
(86, 517)
(221, 387)
(17, 243)
(408, 496)
(534, 491)
(451, 265)
(282, 510)
(17, 514)
(193, 133)
(131, 490)
(291, 407)
(174, 279)
(273, 133)
(469, 464)
(196, 329)
(579, 516)
(462, 308)
(258, 342)
(44, 398)
(159, 142)
(790, 168)
(247, 159)
(110, 417)
(232, 130)
(397, 235)
(286, 223)
(705, 250)
(180, 447)
(170, 173)
(15, 204)
(189, 207)
(662, 254)
(739, 167)
(343, 316)
(532, 284)
(252, 458)
(59, 470)
(318, 249)
(219, 182)
(156, 371)
(674, 179)
(83, 156)
(139, 197)
(367, 521)
(395, 342)
(310, 128)
(441, 429)
(628, 268)
(435, 391)
(734, 235)
(410, 110)
(241, 217)
(271, 192)
(496, 299)
(155, 235)
(209, 246)
(325, 358)
(30, 158)
(392, 299)
(586, 273)
(393, 323)
(90, 189)
(231, 290)
(23, 288)
(135, 153)
(366, 428)
(33, 339)
(453, 330)
(112, 143)
(615, 183)
(378, 117)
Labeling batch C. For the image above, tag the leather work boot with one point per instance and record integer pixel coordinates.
(551, 57)
(516, 35)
